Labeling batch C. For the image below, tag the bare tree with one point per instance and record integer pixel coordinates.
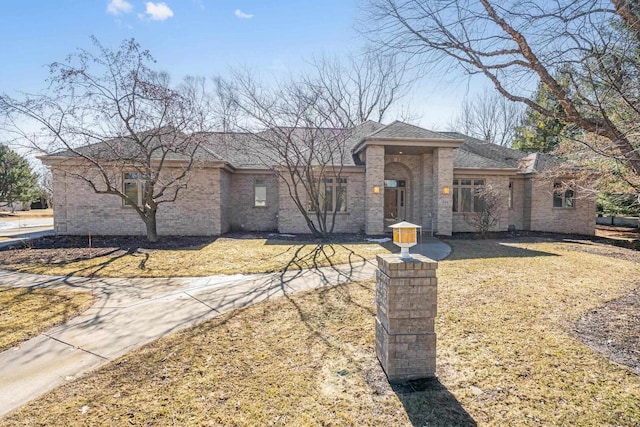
(108, 117)
(490, 117)
(487, 207)
(300, 128)
(46, 188)
(362, 88)
(519, 44)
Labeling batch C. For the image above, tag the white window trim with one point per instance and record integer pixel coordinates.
(259, 183)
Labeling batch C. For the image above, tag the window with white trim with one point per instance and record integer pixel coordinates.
(134, 185)
(563, 197)
(259, 193)
(466, 195)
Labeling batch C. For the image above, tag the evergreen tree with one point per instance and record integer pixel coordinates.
(17, 182)
(539, 133)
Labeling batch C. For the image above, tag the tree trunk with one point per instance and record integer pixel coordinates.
(150, 222)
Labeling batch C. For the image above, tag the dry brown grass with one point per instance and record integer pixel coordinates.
(27, 312)
(506, 356)
(222, 256)
(34, 213)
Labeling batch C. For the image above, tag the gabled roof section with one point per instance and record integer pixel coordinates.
(400, 133)
(538, 162)
(401, 130)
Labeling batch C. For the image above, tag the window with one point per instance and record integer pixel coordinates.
(332, 194)
(562, 196)
(134, 187)
(466, 195)
(259, 193)
(392, 183)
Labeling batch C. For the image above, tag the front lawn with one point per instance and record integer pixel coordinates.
(507, 355)
(180, 257)
(25, 313)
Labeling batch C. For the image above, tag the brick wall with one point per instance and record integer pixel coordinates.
(500, 185)
(78, 210)
(224, 201)
(290, 220)
(246, 216)
(580, 219)
(516, 213)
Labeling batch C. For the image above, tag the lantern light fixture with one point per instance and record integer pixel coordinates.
(405, 235)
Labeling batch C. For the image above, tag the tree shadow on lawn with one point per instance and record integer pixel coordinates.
(429, 403)
(489, 248)
(426, 402)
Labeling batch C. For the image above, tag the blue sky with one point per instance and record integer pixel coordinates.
(196, 37)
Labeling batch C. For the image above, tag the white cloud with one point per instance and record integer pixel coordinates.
(158, 11)
(116, 7)
(240, 14)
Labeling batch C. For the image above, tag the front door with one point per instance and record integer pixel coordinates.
(395, 202)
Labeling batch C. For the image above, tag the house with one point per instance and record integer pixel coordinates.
(392, 172)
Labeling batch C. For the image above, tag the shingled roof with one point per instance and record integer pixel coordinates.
(475, 153)
(401, 130)
(239, 149)
(177, 145)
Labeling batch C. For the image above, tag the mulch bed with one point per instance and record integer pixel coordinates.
(52, 249)
(614, 330)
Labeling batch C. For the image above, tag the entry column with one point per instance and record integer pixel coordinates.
(443, 200)
(374, 202)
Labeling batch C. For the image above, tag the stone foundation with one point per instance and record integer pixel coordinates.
(406, 297)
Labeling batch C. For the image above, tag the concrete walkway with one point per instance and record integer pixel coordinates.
(19, 236)
(132, 312)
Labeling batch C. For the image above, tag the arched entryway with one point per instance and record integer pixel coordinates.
(397, 194)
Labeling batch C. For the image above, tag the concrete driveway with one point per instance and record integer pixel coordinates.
(19, 230)
(19, 223)
(133, 312)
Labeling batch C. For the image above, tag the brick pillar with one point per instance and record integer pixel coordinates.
(443, 177)
(374, 203)
(406, 295)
